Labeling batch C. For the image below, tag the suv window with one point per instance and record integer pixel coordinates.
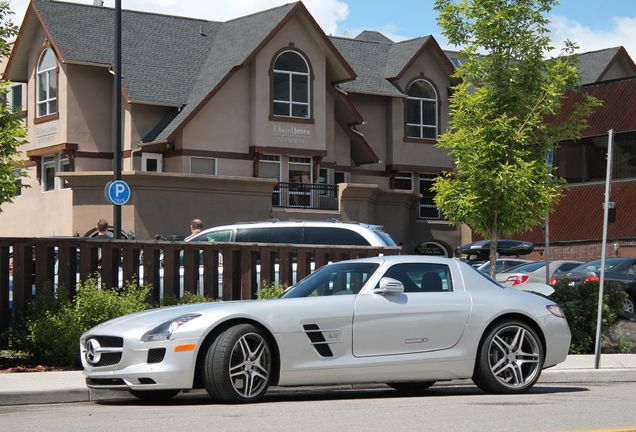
(216, 236)
(333, 236)
(292, 235)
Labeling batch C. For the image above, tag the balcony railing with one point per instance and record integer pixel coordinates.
(306, 195)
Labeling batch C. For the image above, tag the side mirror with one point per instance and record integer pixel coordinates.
(389, 286)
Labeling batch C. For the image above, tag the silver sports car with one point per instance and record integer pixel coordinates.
(407, 321)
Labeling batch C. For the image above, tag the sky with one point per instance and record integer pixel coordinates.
(592, 24)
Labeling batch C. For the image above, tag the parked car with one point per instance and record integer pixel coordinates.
(504, 247)
(404, 320)
(621, 270)
(503, 264)
(534, 272)
(335, 233)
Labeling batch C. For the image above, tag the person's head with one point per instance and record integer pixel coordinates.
(102, 226)
(196, 225)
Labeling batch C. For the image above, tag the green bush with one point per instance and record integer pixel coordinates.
(188, 298)
(53, 323)
(580, 305)
(270, 291)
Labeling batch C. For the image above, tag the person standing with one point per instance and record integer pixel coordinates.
(195, 227)
(102, 230)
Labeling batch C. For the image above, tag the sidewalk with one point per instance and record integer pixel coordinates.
(63, 387)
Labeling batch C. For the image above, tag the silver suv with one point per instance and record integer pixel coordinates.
(334, 233)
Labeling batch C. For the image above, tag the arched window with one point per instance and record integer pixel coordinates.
(46, 76)
(291, 86)
(421, 111)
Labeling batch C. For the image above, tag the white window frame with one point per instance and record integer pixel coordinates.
(57, 162)
(421, 101)
(271, 159)
(404, 175)
(214, 163)
(290, 76)
(300, 161)
(427, 178)
(46, 77)
(145, 157)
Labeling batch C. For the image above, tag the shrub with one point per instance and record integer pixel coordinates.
(580, 305)
(53, 323)
(187, 298)
(270, 291)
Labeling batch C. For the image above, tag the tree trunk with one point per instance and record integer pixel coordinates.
(494, 234)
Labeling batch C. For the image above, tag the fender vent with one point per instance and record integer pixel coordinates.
(318, 340)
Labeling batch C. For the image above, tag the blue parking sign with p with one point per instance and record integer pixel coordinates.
(117, 192)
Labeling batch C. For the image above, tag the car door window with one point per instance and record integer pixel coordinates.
(422, 277)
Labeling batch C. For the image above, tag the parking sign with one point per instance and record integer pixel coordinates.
(117, 192)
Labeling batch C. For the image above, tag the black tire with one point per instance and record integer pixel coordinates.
(509, 359)
(411, 387)
(154, 395)
(238, 365)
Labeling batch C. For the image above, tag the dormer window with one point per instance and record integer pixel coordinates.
(46, 82)
(291, 86)
(421, 111)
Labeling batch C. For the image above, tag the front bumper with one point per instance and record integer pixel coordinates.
(142, 366)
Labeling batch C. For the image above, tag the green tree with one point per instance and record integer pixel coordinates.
(11, 129)
(499, 137)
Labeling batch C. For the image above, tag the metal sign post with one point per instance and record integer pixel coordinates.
(117, 126)
(608, 181)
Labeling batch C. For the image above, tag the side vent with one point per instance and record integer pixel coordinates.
(318, 340)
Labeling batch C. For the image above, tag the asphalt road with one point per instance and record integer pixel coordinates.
(548, 407)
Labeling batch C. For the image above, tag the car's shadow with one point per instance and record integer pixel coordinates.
(200, 397)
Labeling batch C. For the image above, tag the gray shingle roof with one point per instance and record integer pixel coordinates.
(176, 61)
(161, 54)
(593, 63)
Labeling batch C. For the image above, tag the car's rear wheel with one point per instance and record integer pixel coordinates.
(411, 387)
(510, 359)
(628, 304)
(154, 395)
(238, 365)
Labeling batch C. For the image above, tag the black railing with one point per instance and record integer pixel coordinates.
(225, 271)
(306, 195)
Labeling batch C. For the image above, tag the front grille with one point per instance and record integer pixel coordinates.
(156, 355)
(110, 341)
(103, 350)
(108, 359)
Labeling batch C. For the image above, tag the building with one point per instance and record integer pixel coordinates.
(259, 117)
(576, 225)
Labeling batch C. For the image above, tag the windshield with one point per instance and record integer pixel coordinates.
(334, 279)
(385, 237)
(525, 268)
(596, 265)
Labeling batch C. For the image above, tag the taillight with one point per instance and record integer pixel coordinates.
(517, 280)
(553, 281)
(592, 279)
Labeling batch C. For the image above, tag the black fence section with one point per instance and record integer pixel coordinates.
(306, 195)
(225, 271)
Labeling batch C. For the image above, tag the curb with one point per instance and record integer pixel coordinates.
(74, 390)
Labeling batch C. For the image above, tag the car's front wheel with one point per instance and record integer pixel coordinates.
(238, 365)
(411, 387)
(510, 359)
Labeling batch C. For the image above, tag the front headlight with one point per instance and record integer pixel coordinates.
(164, 330)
